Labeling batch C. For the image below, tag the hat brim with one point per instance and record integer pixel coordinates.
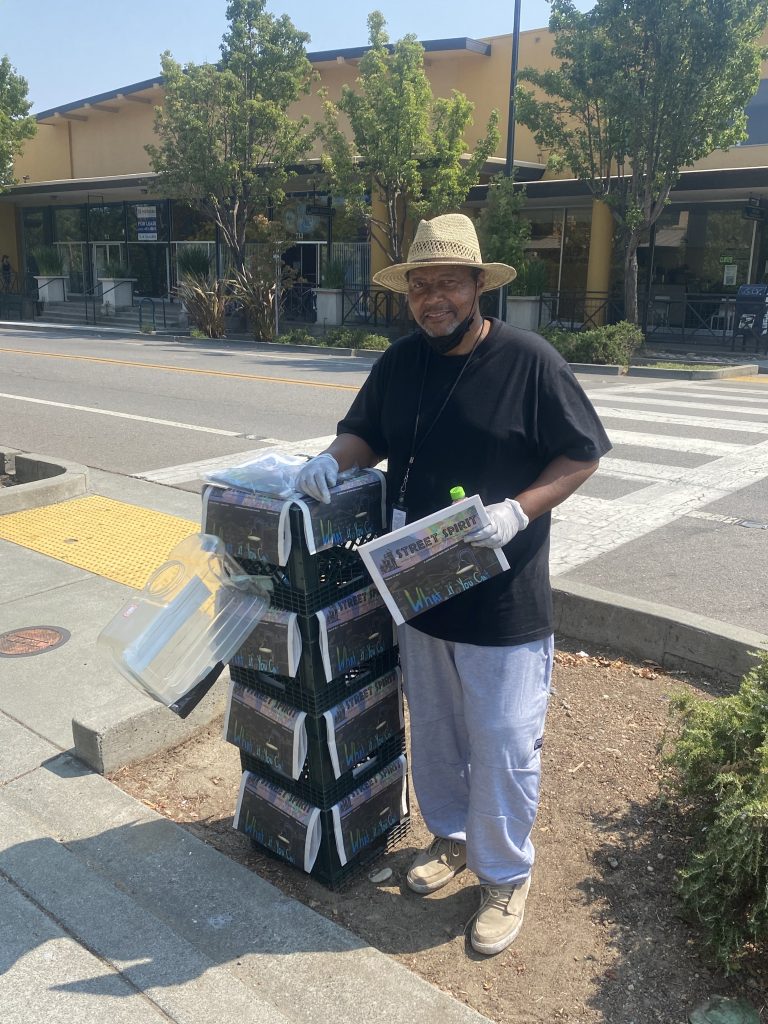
(395, 278)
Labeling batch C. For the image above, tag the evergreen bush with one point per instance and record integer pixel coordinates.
(612, 344)
(718, 771)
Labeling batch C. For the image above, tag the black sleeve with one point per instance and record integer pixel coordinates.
(364, 418)
(566, 422)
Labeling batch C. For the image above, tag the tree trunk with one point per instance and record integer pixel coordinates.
(630, 278)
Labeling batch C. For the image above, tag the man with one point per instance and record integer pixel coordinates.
(469, 401)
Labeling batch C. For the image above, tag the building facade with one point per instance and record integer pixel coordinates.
(86, 187)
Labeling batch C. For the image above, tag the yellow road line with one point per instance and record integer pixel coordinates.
(109, 538)
(182, 369)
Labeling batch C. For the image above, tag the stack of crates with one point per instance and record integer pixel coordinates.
(315, 703)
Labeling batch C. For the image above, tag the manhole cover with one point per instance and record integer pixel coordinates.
(23, 643)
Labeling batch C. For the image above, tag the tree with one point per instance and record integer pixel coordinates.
(407, 146)
(502, 229)
(227, 144)
(15, 123)
(644, 88)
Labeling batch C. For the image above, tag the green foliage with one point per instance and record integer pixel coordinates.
(49, 261)
(15, 123)
(333, 274)
(226, 141)
(296, 336)
(613, 344)
(406, 143)
(115, 268)
(643, 88)
(255, 286)
(205, 302)
(501, 228)
(719, 773)
(532, 278)
(194, 260)
(356, 337)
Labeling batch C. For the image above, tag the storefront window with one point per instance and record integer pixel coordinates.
(301, 219)
(147, 222)
(107, 223)
(69, 223)
(190, 225)
(578, 226)
(546, 242)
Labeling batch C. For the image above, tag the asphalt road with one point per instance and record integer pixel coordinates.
(677, 514)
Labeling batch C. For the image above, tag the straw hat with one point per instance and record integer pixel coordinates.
(447, 241)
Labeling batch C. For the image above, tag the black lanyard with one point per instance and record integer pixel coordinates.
(416, 448)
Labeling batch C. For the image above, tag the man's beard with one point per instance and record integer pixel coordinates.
(445, 343)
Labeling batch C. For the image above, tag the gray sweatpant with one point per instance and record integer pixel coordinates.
(477, 722)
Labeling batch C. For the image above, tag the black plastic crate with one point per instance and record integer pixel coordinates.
(285, 840)
(317, 783)
(310, 582)
(309, 691)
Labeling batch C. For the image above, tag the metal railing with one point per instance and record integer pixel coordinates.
(373, 306)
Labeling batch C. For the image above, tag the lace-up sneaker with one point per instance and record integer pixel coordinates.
(435, 867)
(499, 918)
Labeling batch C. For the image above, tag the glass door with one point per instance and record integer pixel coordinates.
(104, 254)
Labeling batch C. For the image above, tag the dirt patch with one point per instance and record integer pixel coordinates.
(604, 940)
(7, 481)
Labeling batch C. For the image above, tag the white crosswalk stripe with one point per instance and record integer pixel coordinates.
(675, 403)
(670, 443)
(676, 419)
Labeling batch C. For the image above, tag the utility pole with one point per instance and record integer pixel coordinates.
(509, 166)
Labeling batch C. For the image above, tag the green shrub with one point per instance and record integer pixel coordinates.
(719, 772)
(193, 261)
(612, 344)
(356, 337)
(334, 273)
(49, 260)
(297, 336)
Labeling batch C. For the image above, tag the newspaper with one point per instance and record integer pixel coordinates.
(256, 527)
(427, 562)
(359, 725)
(358, 509)
(274, 646)
(371, 810)
(283, 823)
(354, 630)
(268, 730)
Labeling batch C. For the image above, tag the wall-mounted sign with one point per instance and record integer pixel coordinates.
(146, 223)
(729, 275)
(727, 259)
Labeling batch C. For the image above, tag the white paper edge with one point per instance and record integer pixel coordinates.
(404, 796)
(284, 538)
(400, 694)
(313, 839)
(299, 744)
(382, 477)
(338, 836)
(307, 521)
(324, 649)
(294, 644)
(331, 731)
(239, 805)
(205, 496)
(228, 711)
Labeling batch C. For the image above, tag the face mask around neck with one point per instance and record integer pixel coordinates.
(447, 343)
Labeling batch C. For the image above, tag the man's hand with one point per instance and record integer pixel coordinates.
(318, 476)
(507, 519)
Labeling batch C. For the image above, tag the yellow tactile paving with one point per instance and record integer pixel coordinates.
(121, 542)
(761, 379)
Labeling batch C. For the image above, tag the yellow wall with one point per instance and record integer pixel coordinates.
(113, 144)
(46, 157)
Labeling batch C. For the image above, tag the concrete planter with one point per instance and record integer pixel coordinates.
(523, 311)
(116, 292)
(330, 306)
(50, 288)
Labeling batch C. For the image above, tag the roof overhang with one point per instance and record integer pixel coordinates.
(68, 192)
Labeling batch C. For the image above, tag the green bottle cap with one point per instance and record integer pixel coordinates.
(457, 493)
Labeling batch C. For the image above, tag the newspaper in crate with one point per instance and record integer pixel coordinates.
(357, 510)
(255, 527)
(282, 823)
(427, 562)
(274, 646)
(354, 630)
(370, 811)
(268, 730)
(359, 725)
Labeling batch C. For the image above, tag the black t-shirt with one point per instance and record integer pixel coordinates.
(516, 408)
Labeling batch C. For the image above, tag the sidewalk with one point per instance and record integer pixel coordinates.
(111, 912)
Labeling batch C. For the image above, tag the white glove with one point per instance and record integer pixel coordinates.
(317, 477)
(507, 519)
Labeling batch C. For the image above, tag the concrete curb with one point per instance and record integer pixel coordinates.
(670, 637)
(609, 370)
(109, 739)
(749, 370)
(43, 480)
